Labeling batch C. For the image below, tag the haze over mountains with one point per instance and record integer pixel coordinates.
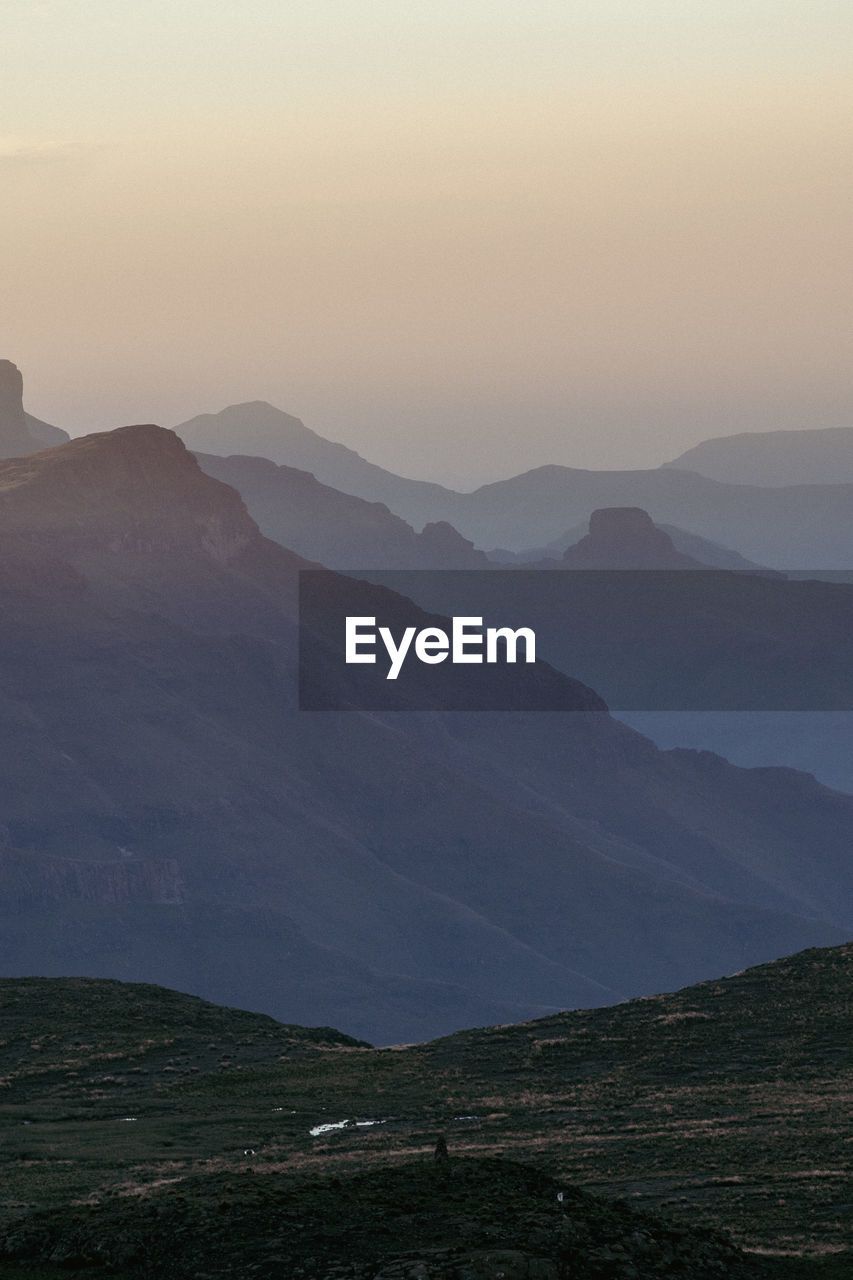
(774, 458)
(799, 526)
(173, 817)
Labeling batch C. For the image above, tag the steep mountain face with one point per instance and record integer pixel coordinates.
(19, 432)
(626, 538)
(335, 528)
(774, 458)
(396, 874)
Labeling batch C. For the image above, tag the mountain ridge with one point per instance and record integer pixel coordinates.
(798, 526)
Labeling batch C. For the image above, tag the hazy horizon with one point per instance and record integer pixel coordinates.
(464, 240)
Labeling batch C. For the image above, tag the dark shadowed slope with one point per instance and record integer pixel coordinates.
(172, 817)
(725, 1104)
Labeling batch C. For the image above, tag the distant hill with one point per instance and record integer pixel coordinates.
(775, 458)
(260, 430)
(20, 432)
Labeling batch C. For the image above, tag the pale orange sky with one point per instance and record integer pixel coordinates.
(464, 239)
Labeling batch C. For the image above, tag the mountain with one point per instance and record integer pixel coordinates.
(20, 433)
(775, 458)
(339, 530)
(722, 1105)
(174, 817)
(626, 538)
(260, 430)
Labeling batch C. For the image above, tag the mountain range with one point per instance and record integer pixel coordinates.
(172, 816)
(803, 526)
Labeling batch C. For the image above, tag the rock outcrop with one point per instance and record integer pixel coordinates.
(15, 439)
(626, 538)
(20, 433)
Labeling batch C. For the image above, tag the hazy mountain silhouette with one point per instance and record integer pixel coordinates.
(802, 526)
(798, 527)
(395, 874)
(338, 529)
(775, 458)
(259, 429)
(20, 433)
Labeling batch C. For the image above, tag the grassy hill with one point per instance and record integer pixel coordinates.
(724, 1105)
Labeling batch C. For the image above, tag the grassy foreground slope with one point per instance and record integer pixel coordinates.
(726, 1104)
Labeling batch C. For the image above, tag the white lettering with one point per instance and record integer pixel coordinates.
(432, 644)
(395, 653)
(354, 639)
(510, 638)
(461, 638)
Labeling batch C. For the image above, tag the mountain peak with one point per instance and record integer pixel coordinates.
(136, 488)
(626, 538)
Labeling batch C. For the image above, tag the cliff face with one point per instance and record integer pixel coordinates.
(20, 432)
(15, 438)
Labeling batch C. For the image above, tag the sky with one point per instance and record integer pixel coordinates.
(463, 238)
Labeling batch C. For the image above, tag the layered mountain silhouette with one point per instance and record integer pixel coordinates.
(20, 433)
(775, 458)
(801, 526)
(260, 430)
(710, 554)
(396, 874)
(338, 529)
